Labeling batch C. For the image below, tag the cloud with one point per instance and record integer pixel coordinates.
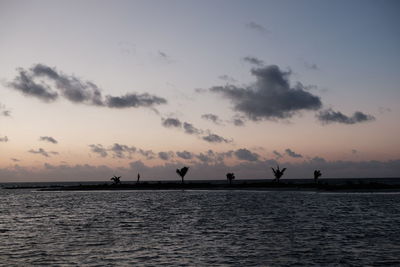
(74, 89)
(277, 154)
(48, 139)
(226, 78)
(165, 155)
(253, 60)
(148, 154)
(238, 122)
(212, 117)
(4, 139)
(354, 151)
(311, 66)
(15, 160)
(184, 154)
(270, 97)
(214, 138)
(134, 100)
(171, 122)
(330, 116)
(190, 129)
(247, 155)
(43, 152)
(122, 151)
(164, 56)
(99, 149)
(4, 111)
(292, 154)
(257, 27)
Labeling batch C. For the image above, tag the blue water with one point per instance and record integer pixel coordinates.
(199, 228)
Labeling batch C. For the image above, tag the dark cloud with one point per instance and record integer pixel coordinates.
(134, 100)
(74, 89)
(354, 151)
(4, 139)
(99, 149)
(48, 139)
(212, 117)
(257, 27)
(25, 84)
(165, 155)
(15, 160)
(43, 152)
(122, 151)
(277, 154)
(171, 122)
(270, 97)
(190, 129)
(292, 154)
(253, 60)
(330, 116)
(214, 138)
(247, 155)
(184, 154)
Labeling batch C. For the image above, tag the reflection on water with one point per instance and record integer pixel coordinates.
(244, 228)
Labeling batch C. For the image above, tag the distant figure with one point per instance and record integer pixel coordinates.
(230, 176)
(116, 179)
(278, 173)
(317, 174)
(182, 172)
(138, 178)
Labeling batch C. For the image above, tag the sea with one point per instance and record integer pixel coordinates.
(198, 228)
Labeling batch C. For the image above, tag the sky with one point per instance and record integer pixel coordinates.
(91, 89)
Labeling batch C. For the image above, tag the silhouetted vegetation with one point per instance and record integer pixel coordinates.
(182, 172)
(138, 178)
(230, 176)
(278, 173)
(116, 179)
(317, 174)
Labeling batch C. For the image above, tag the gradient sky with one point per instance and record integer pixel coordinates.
(313, 84)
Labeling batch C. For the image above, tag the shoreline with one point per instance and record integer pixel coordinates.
(260, 186)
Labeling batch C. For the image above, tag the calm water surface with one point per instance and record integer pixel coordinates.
(198, 228)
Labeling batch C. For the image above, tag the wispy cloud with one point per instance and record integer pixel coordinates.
(293, 154)
(43, 152)
(48, 139)
(256, 27)
(330, 116)
(254, 61)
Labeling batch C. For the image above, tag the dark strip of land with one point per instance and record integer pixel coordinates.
(357, 187)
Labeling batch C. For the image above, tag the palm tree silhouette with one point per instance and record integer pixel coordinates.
(182, 172)
(230, 176)
(278, 173)
(116, 179)
(317, 174)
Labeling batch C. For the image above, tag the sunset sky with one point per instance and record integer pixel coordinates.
(90, 89)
